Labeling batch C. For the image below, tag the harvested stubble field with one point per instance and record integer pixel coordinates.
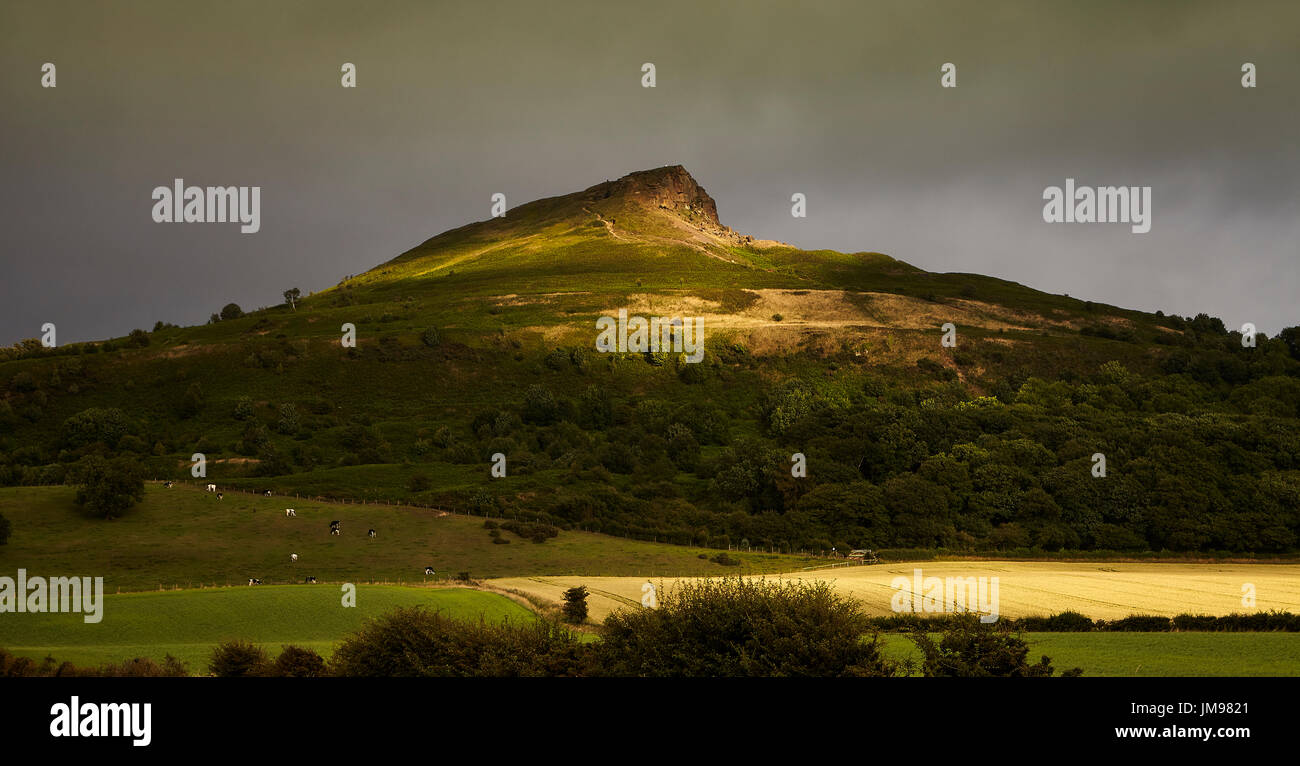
(1100, 590)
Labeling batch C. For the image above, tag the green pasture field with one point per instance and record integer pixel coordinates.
(189, 623)
(1154, 654)
(184, 537)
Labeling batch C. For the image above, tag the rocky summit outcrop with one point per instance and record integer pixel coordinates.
(672, 189)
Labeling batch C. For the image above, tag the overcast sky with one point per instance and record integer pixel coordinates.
(458, 100)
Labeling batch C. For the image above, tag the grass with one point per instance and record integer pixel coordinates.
(1154, 654)
(183, 537)
(188, 623)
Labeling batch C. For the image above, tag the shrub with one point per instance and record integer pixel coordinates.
(970, 648)
(1139, 623)
(1065, 622)
(244, 408)
(192, 401)
(231, 311)
(238, 658)
(140, 667)
(297, 662)
(289, 423)
(735, 627)
(1194, 622)
(417, 642)
(535, 531)
(14, 667)
(575, 604)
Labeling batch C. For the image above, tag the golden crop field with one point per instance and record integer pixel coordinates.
(1100, 590)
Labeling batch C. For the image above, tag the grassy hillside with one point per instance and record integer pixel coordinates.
(186, 538)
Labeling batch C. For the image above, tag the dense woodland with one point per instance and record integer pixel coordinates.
(1201, 437)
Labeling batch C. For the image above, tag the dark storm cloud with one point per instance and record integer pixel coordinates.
(456, 101)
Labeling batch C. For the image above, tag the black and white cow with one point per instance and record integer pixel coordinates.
(428, 571)
(372, 534)
(293, 557)
(212, 487)
(254, 581)
(311, 580)
(335, 527)
(167, 484)
(220, 495)
(266, 493)
(290, 512)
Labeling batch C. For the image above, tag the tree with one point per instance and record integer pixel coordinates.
(192, 402)
(540, 406)
(231, 311)
(575, 604)
(289, 423)
(107, 488)
(291, 297)
(244, 408)
(297, 662)
(970, 648)
(138, 338)
(1291, 337)
(238, 658)
(735, 627)
(414, 641)
(96, 425)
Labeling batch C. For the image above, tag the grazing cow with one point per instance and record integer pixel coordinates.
(266, 493)
(428, 571)
(293, 557)
(254, 581)
(167, 484)
(212, 487)
(311, 580)
(372, 533)
(335, 527)
(220, 495)
(290, 512)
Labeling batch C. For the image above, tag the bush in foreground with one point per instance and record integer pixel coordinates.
(417, 642)
(297, 662)
(238, 659)
(734, 627)
(23, 667)
(970, 648)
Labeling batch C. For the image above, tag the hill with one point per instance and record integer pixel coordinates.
(480, 342)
